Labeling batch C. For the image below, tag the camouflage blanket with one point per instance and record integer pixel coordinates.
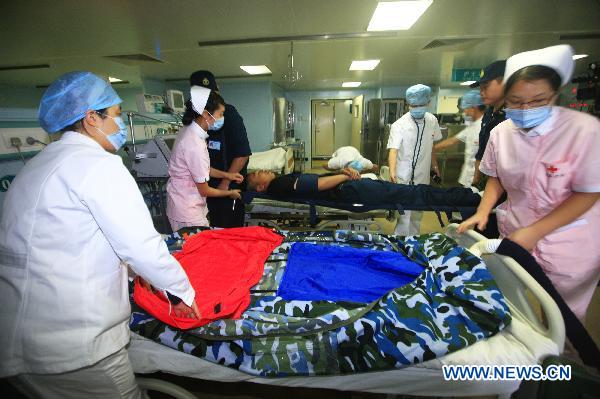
(454, 303)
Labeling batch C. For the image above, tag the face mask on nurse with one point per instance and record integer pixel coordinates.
(217, 124)
(529, 103)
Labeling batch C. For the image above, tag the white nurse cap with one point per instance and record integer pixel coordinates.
(559, 58)
(199, 96)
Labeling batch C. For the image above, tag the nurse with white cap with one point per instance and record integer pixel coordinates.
(546, 158)
(73, 219)
(189, 165)
(411, 155)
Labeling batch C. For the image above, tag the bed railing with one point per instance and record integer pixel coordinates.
(522, 292)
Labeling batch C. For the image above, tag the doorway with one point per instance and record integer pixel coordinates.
(357, 121)
(332, 126)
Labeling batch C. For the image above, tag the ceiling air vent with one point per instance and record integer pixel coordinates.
(437, 43)
(129, 59)
(169, 80)
(580, 36)
(20, 67)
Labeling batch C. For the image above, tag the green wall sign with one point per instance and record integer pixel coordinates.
(463, 75)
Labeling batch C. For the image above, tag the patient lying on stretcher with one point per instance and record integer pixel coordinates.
(348, 187)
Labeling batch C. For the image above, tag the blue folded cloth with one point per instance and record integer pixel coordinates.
(318, 272)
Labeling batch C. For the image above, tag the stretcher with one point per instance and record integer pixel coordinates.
(265, 207)
(285, 214)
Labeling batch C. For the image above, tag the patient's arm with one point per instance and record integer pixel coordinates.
(329, 182)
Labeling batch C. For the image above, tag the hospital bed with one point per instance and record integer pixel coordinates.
(536, 331)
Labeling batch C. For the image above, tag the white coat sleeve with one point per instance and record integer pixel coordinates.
(437, 131)
(462, 135)
(115, 202)
(395, 138)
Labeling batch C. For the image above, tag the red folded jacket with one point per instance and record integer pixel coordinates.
(222, 266)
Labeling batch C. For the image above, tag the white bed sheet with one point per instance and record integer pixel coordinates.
(273, 160)
(518, 344)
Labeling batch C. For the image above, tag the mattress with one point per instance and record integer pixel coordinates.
(518, 344)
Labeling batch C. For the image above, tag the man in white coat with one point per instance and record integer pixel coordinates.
(72, 219)
(471, 104)
(411, 155)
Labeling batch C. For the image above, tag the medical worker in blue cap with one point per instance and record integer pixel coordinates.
(472, 106)
(411, 155)
(73, 219)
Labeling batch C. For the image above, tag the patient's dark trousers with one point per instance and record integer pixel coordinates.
(367, 191)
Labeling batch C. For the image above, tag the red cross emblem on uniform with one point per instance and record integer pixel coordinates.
(552, 169)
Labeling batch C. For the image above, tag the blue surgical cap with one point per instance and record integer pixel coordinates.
(471, 99)
(418, 94)
(70, 96)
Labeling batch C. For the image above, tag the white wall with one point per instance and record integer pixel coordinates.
(254, 102)
(447, 99)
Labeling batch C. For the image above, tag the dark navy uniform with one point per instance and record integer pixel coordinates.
(489, 121)
(490, 118)
(230, 142)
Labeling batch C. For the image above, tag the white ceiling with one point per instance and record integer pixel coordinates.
(77, 35)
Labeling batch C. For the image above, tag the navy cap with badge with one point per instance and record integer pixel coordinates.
(204, 79)
(493, 71)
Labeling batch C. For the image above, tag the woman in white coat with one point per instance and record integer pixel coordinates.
(72, 220)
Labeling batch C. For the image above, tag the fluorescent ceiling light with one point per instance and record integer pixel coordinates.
(397, 15)
(467, 83)
(114, 80)
(579, 56)
(256, 69)
(364, 65)
(351, 84)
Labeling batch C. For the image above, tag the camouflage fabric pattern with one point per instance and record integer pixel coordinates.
(452, 304)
